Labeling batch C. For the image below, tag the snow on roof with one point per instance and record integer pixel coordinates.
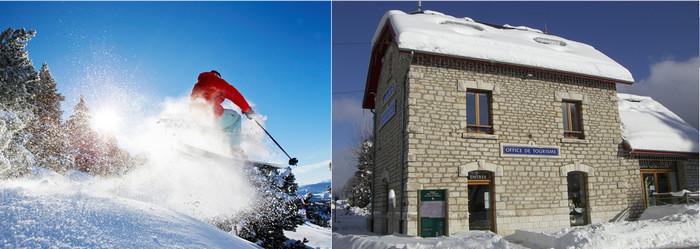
(437, 33)
(649, 126)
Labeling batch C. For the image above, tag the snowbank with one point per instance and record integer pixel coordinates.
(318, 237)
(52, 211)
(472, 239)
(649, 126)
(658, 212)
(678, 228)
(437, 33)
(349, 232)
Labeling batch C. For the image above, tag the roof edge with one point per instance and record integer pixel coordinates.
(656, 152)
(610, 80)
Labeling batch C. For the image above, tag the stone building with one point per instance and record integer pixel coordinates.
(661, 145)
(493, 127)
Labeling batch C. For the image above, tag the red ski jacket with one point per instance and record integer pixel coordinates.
(214, 91)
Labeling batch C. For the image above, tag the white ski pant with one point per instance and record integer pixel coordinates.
(230, 122)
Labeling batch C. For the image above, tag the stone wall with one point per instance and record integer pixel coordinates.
(387, 216)
(691, 174)
(529, 193)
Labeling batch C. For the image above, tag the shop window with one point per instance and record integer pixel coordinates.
(658, 177)
(571, 112)
(479, 112)
(480, 186)
(576, 184)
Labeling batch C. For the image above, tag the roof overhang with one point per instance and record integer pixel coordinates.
(386, 35)
(655, 152)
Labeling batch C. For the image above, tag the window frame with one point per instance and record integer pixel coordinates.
(566, 116)
(479, 129)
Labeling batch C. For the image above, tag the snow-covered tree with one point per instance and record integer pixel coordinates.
(16, 109)
(318, 213)
(275, 210)
(85, 142)
(49, 141)
(115, 160)
(16, 71)
(361, 187)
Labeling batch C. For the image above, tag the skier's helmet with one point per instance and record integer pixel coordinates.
(217, 73)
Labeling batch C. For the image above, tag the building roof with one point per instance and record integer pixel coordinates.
(435, 33)
(648, 126)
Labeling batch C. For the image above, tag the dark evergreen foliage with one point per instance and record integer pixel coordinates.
(275, 210)
(49, 142)
(17, 75)
(361, 186)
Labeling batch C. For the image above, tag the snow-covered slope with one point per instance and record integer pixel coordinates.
(649, 126)
(437, 33)
(44, 212)
(318, 237)
(318, 190)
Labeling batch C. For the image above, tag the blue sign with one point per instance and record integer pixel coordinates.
(525, 150)
(388, 93)
(388, 113)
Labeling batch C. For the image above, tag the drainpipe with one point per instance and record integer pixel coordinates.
(403, 138)
(374, 163)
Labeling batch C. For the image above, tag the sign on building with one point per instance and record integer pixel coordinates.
(529, 150)
(432, 212)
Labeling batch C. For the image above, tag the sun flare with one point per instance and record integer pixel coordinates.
(106, 120)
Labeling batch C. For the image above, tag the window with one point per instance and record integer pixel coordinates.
(576, 185)
(479, 112)
(658, 177)
(572, 119)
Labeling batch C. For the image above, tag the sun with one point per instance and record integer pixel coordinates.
(106, 120)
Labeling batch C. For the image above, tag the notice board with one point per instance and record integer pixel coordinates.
(432, 212)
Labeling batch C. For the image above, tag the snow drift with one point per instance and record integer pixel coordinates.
(50, 210)
(677, 227)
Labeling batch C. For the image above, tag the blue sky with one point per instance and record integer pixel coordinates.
(656, 41)
(137, 54)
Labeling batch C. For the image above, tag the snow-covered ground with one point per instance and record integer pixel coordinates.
(52, 211)
(659, 227)
(76, 210)
(318, 237)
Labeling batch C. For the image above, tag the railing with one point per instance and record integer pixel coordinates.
(680, 197)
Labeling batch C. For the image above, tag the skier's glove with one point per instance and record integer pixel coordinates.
(250, 114)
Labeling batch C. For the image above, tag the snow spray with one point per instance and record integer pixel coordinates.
(174, 177)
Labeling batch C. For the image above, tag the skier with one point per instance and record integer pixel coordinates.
(208, 94)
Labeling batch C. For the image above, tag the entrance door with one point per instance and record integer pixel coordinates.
(578, 208)
(658, 181)
(480, 201)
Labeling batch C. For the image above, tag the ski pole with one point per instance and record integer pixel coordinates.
(292, 161)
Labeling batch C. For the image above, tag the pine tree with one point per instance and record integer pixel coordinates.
(115, 160)
(276, 209)
(361, 189)
(84, 141)
(50, 142)
(16, 109)
(16, 71)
